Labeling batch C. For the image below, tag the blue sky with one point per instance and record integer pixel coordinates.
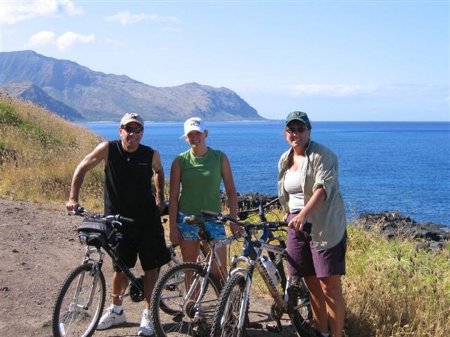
(336, 60)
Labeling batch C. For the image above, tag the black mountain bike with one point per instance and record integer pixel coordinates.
(81, 298)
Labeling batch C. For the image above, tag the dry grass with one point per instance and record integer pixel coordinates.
(39, 152)
(390, 288)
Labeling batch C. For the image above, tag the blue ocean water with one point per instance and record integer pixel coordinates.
(402, 166)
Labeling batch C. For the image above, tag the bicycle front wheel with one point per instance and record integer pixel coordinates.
(227, 315)
(173, 310)
(79, 303)
(301, 312)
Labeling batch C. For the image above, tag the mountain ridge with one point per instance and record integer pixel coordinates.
(99, 96)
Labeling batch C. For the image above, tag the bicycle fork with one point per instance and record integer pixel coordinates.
(95, 271)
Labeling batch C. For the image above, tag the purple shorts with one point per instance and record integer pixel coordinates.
(305, 260)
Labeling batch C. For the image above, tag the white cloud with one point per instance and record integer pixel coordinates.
(42, 38)
(389, 90)
(13, 12)
(62, 42)
(68, 39)
(69, 7)
(127, 18)
(338, 90)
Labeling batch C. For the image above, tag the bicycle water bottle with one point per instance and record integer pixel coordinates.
(272, 271)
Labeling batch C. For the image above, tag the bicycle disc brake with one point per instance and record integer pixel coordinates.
(136, 294)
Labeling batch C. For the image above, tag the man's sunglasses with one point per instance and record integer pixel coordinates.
(299, 129)
(130, 129)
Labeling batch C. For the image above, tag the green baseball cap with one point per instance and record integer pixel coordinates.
(298, 116)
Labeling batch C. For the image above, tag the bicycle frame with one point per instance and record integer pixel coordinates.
(252, 252)
(111, 252)
(210, 258)
(115, 258)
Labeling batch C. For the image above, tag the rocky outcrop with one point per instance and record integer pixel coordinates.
(253, 200)
(392, 224)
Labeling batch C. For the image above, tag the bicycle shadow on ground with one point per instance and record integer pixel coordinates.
(122, 330)
(257, 328)
(261, 323)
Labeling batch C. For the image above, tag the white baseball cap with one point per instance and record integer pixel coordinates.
(193, 124)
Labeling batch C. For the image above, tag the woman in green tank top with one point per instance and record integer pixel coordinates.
(195, 179)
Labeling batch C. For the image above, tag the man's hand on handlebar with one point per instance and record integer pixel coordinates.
(72, 205)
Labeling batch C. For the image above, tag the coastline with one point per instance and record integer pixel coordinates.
(375, 160)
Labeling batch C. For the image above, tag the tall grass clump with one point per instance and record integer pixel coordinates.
(39, 152)
(393, 289)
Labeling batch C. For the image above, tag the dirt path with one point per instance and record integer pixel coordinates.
(38, 248)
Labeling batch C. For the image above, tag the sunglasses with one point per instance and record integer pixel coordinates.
(130, 129)
(299, 129)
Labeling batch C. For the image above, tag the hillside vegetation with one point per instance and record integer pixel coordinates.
(391, 288)
(39, 152)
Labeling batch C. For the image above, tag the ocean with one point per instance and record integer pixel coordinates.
(384, 166)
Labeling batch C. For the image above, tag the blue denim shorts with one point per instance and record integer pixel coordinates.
(189, 232)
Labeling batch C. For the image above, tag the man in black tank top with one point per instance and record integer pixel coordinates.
(129, 169)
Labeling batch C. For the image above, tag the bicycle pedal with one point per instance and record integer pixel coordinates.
(170, 287)
(273, 328)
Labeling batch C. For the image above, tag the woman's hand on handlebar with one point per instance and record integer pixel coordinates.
(297, 222)
(236, 230)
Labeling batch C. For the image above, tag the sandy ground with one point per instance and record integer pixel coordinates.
(39, 247)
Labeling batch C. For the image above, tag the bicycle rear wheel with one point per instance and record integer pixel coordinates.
(226, 317)
(172, 310)
(79, 303)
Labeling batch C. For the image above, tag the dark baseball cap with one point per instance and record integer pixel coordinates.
(298, 116)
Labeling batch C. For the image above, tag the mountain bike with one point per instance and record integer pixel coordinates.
(190, 289)
(81, 297)
(260, 214)
(231, 316)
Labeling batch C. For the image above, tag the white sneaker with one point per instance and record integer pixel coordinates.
(146, 328)
(111, 318)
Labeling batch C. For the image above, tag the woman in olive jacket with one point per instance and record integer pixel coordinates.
(308, 188)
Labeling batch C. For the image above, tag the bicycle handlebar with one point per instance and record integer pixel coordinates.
(117, 218)
(200, 219)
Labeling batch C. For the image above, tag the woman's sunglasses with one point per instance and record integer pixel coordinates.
(299, 129)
